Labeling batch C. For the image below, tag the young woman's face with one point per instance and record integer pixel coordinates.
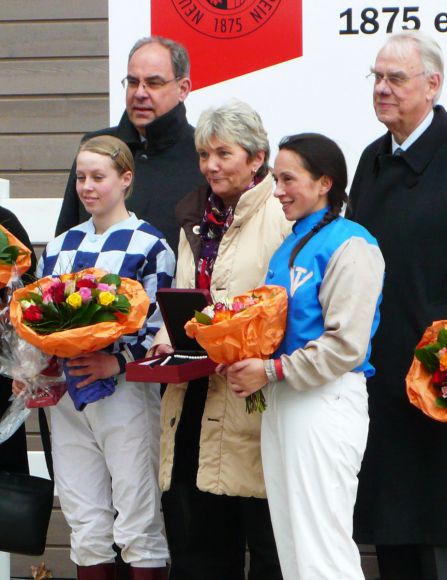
(100, 187)
(299, 193)
(228, 169)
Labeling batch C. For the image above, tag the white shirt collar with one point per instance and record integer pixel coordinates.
(413, 136)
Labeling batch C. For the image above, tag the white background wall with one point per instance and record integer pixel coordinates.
(324, 91)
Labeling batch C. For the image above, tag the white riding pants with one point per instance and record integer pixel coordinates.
(312, 447)
(106, 470)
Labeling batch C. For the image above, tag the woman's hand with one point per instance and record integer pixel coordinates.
(96, 365)
(246, 376)
(17, 387)
(162, 349)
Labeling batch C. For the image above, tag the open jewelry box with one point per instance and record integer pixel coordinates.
(189, 361)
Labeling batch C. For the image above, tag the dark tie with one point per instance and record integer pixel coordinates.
(398, 152)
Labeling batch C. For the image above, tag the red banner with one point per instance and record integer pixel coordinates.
(229, 38)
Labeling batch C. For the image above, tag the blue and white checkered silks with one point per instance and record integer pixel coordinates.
(131, 248)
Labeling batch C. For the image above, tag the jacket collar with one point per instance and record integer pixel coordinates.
(305, 224)
(252, 200)
(161, 133)
(190, 209)
(420, 154)
(166, 130)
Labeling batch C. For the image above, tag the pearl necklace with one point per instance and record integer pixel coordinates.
(184, 356)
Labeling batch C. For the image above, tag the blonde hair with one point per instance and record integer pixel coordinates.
(118, 152)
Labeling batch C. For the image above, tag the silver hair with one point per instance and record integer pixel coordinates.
(234, 123)
(179, 55)
(430, 51)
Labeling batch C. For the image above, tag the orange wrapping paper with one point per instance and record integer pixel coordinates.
(23, 261)
(77, 341)
(420, 390)
(256, 331)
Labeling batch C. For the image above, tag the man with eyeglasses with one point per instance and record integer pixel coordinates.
(155, 128)
(399, 193)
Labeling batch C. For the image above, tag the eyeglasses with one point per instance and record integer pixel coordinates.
(151, 83)
(393, 79)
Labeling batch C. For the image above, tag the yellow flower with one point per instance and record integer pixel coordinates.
(75, 300)
(106, 298)
(443, 362)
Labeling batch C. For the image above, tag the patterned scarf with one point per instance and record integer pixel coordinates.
(216, 221)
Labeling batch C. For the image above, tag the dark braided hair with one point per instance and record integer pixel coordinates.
(320, 156)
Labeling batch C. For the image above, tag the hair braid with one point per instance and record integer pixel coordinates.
(328, 217)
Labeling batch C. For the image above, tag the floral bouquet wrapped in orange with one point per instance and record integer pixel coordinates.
(15, 258)
(427, 378)
(76, 314)
(42, 376)
(249, 325)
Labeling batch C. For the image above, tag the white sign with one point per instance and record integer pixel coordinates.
(324, 91)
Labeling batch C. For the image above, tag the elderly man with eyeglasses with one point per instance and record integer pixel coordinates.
(155, 128)
(399, 193)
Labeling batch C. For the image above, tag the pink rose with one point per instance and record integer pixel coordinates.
(86, 293)
(105, 287)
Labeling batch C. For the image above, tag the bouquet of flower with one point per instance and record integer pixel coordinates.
(79, 313)
(71, 302)
(250, 325)
(427, 378)
(44, 379)
(15, 258)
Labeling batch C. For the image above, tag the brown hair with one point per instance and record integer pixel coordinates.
(320, 156)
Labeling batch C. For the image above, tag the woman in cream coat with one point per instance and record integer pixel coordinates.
(211, 472)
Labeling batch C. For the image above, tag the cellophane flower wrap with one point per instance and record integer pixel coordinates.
(42, 376)
(252, 325)
(76, 314)
(15, 257)
(427, 378)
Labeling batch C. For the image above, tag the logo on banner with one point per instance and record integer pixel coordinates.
(226, 18)
(230, 38)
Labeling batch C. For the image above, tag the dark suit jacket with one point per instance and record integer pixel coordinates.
(403, 202)
(166, 169)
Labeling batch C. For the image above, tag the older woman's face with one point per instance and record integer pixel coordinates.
(228, 169)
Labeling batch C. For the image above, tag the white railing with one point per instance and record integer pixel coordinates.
(4, 188)
(38, 217)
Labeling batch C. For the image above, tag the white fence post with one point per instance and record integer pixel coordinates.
(5, 566)
(4, 188)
